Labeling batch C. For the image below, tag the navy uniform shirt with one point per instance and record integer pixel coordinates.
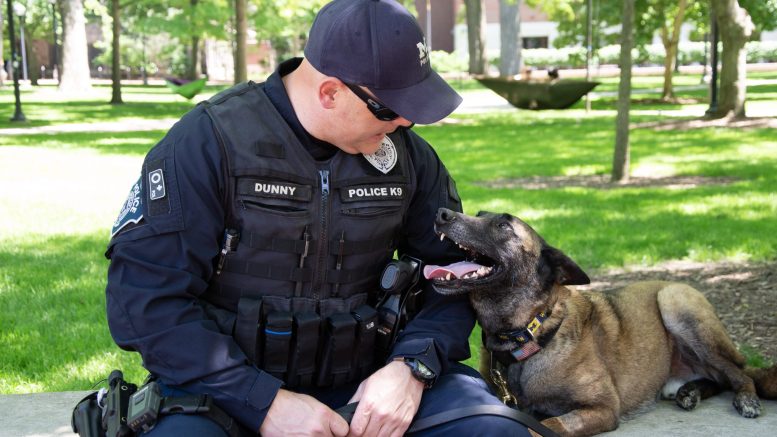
(163, 257)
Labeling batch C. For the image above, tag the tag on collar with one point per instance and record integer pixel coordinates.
(526, 351)
(385, 158)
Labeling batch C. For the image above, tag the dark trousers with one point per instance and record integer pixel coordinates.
(460, 387)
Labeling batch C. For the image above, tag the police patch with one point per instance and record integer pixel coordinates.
(385, 158)
(131, 211)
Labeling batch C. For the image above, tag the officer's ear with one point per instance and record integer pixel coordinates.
(328, 91)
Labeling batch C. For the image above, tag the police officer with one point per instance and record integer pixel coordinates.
(251, 245)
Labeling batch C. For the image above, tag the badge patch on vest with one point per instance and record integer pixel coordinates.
(274, 189)
(158, 200)
(356, 193)
(385, 158)
(156, 183)
(131, 211)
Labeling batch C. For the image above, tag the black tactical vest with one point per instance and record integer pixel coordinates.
(312, 236)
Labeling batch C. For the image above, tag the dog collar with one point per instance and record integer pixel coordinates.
(526, 338)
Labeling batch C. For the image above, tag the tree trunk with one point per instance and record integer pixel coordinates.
(621, 158)
(671, 41)
(3, 73)
(476, 35)
(116, 53)
(75, 61)
(203, 58)
(510, 37)
(241, 26)
(193, 63)
(194, 47)
(735, 28)
(33, 67)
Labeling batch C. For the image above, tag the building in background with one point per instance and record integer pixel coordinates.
(449, 32)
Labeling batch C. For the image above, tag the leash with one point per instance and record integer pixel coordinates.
(425, 423)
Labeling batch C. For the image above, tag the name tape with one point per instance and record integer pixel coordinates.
(278, 190)
(371, 192)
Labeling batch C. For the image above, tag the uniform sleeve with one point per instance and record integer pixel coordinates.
(440, 331)
(160, 265)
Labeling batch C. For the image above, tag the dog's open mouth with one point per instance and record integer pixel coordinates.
(477, 267)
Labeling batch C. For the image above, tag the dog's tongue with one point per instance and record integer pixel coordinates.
(458, 270)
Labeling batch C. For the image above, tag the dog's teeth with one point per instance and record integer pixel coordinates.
(448, 277)
(442, 236)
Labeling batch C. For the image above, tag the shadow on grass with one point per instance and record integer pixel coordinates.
(122, 143)
(52, 310)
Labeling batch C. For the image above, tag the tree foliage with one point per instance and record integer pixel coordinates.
(284, 23)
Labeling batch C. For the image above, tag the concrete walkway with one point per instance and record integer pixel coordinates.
(48, 415)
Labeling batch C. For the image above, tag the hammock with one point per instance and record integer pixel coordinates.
(186, 88)
(554, 94)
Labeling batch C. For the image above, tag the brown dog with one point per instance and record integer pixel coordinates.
(588, 359)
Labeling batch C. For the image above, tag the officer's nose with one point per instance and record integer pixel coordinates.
(445, 215)
(403, 122)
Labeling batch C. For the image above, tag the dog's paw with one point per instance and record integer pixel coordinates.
(747, 404)
(688, 397)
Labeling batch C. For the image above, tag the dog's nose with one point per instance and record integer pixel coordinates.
(445, 215)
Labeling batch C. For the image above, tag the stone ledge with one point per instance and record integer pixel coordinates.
(48, 415)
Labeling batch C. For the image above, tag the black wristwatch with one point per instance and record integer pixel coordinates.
(420, 371)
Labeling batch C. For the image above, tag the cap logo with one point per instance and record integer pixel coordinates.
(423, 52)
(385, 158)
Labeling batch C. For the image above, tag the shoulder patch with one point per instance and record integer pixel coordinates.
(385, 158)
(131, 211)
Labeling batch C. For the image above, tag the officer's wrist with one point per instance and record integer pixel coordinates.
(419, 370)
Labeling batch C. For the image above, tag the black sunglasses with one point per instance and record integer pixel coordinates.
(379, 110)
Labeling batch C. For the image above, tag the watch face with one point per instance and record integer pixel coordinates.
(420, 371)
(423, 371)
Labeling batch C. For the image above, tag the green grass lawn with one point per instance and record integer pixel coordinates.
(61, 192)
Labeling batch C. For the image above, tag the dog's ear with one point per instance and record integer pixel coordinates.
(567, 271)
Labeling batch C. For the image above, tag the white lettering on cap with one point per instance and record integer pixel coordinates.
(423, 52)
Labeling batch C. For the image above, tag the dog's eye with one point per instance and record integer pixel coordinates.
(506, 226)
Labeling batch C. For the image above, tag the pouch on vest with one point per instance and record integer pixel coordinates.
(277, 338)
(339, 333)
(366, 326)
(304, 345)
(248, 327)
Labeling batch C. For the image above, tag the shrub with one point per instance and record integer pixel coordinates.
(444, 62)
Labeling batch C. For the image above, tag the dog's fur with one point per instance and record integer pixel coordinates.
(603, 355)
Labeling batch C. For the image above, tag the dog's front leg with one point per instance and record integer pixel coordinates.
(583, 422)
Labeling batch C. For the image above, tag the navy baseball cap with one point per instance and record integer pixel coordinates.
(379, 45)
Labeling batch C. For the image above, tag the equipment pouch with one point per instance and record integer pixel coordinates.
(277, 338)
(366, 327)
(389, 316)
(144, 407)
(86, 418)
(248, 327)
(302, 364)
(335, 366)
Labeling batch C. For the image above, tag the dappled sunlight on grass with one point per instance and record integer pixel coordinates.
(61, 192)
(621, 226)
(52, 309)
(136, 143)
(51, 191)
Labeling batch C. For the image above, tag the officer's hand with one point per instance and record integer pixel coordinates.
(388, 401)
(298, 414)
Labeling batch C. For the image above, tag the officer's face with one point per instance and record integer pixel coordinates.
(361, 131)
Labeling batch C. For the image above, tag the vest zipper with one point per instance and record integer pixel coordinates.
(320, 273)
